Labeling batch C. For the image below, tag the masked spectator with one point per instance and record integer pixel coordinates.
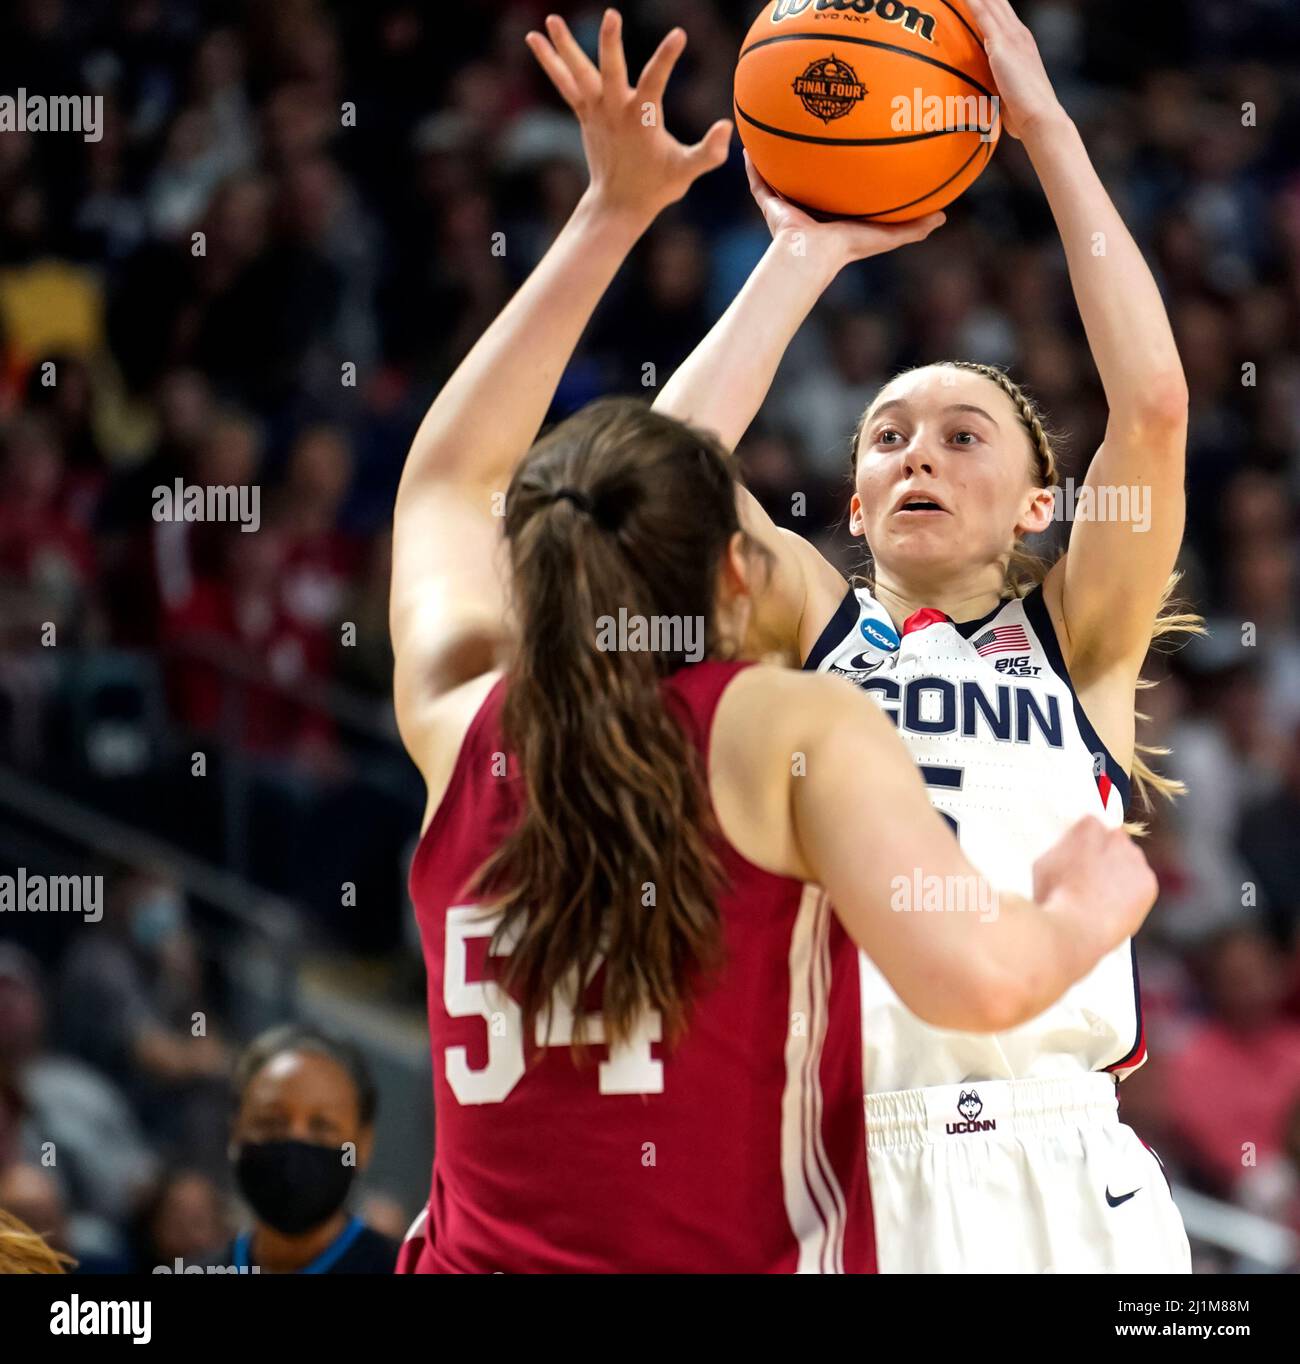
(303, 1130)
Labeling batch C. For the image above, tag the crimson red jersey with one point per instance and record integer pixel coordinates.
(740, 1149)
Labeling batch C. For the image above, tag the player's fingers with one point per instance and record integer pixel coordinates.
(559, 74)
(758, 187)
(584, 73)
(654, 79)
(915, 231)
(764, 195)
(711, 150)
(872, 239)
(987, 18)
(613, 64)
(1000, 20)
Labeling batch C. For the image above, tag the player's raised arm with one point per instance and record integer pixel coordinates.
(723, 382)
(959, 952)
(446, 609)
(1110, 584)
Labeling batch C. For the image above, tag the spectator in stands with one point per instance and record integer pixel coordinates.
(1273, 1191)
(367, 662)
(47, 559)
(188, 554)
(183, 1219)
(1225, 750)
(1268, 841)
(320, 559)
(103, 1161)
(826, 404)
(133, 1002)
(1262, 578)
(60, 387)
(148, 563)
(1232, 1085)
(303, 1130)
(242, 662)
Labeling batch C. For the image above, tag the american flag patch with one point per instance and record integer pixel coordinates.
(1002, 639)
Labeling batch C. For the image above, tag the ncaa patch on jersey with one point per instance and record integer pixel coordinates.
(881, 634)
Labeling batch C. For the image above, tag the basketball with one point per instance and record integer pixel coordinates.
(869, 109)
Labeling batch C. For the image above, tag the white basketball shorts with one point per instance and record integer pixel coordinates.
(1017, 1177)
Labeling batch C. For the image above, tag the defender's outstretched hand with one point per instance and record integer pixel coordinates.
(635, 162)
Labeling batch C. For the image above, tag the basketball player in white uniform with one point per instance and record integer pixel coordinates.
(1014, 690)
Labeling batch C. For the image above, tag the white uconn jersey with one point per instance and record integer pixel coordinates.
(987, 711)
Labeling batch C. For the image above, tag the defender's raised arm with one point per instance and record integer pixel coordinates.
(447, 608)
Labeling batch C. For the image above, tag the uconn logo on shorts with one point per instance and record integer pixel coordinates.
(970, 1106)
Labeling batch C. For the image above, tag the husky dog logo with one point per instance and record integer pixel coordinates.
(970, 1106)
(829, 89)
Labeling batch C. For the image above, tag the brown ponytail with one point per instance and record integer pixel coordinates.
(618, 509)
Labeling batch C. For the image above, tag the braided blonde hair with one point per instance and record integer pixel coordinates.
(1026, 570)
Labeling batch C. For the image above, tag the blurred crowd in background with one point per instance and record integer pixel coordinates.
(349, 167)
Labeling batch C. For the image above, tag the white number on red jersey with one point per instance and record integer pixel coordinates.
(630, 1068)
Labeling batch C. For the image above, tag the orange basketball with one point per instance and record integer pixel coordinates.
(867, 108)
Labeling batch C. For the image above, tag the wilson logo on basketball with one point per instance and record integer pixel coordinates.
(891, 11)
(829, 88)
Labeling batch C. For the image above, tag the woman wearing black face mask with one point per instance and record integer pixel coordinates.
(304, 1127)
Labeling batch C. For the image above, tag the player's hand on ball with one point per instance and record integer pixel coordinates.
(636, 165)
(1099, 878)
(840, 238)
(1023, 84)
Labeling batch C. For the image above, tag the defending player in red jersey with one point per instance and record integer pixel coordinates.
(644, 1012)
